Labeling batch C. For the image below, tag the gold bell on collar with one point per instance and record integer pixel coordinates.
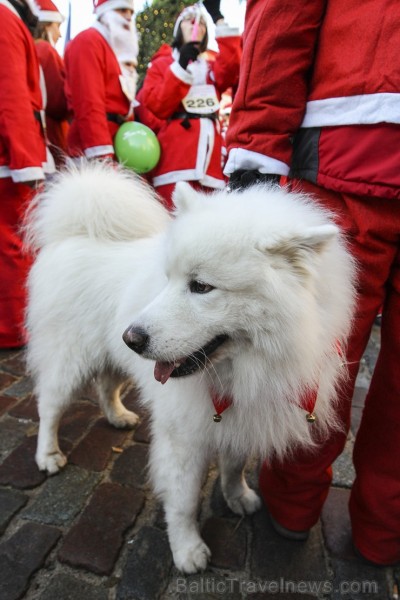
(311, 418)
(217, 418)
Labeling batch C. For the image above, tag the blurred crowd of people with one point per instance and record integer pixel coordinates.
(55, 110)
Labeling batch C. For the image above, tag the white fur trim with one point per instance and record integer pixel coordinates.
(181, 73)
(239, 158)
(50, 16)
(205, 147)
(226, 31)
(353, 110)
(174, 177)
(190, 10)
(22, 175)
(10, 7)
(213, 182)
(96, 151)
(112, 5)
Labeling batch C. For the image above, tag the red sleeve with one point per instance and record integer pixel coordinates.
(20, 96)
(145, 116)
(227, 62)
(162, 90)
(54, 75)
(86, 68)
(278, 50)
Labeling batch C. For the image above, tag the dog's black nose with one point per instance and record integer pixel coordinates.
(136, 339)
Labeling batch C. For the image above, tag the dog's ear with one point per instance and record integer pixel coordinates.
(185, 197)
(301, 248)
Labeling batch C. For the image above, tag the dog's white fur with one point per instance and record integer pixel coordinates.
(109, 257)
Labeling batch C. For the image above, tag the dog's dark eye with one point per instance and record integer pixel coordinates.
(198, 287)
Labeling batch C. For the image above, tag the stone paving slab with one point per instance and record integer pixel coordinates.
(11, 501)
(94, 450)
(62, 497)
(19, 468)
(147, 568)
(67, 587)
(96, 532)
(91, 545)
(23, 554)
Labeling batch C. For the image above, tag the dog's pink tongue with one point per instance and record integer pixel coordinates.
(163, 370)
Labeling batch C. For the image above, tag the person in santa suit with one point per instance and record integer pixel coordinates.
(319, 101)
(182, 90)
(46, 35)
(99, 95)
(23, 158)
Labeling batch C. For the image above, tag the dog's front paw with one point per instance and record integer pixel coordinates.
(125, 419)
(246, 504)
(51, 462)
(192, 559)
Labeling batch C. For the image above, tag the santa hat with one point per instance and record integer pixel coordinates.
(47, 12)
(102, 6)
(190, 12)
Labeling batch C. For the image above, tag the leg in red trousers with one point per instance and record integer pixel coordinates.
(14, 263)
(375, 496)
(294, 491)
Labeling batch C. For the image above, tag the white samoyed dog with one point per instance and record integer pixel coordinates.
(234, 307)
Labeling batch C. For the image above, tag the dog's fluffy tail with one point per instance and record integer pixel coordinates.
(95, 200)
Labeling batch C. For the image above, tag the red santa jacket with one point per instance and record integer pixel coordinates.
(56, 103)
(321, 79)
(191, 150)
(22, 145)
(93, 90)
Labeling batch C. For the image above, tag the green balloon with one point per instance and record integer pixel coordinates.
(137, 147)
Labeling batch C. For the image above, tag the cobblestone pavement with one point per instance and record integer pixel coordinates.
(96, 532)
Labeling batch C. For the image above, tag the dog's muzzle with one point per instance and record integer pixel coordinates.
(138, 341)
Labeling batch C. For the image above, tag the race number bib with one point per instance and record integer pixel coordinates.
(201, 99)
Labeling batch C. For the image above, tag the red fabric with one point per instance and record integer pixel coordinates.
(278, 50)
(56, 107)
(295, 490)
(183, 150)
(317, 51)
(145, 116)
(47, 5)
(93, 89)
(22, 147)
(14, 263)
(358, 34)
(221, 403)
(348, 156)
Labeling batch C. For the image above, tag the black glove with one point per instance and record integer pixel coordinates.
(188, 52)
(212, 7)
(242, 179)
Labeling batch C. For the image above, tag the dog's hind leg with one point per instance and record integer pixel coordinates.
(240, 498)
(177, 472)
(109, 386)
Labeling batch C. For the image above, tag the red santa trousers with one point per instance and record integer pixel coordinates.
(14, 263)
(294, 491)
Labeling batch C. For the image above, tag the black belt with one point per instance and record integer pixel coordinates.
(116, 118)
(187, 115)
